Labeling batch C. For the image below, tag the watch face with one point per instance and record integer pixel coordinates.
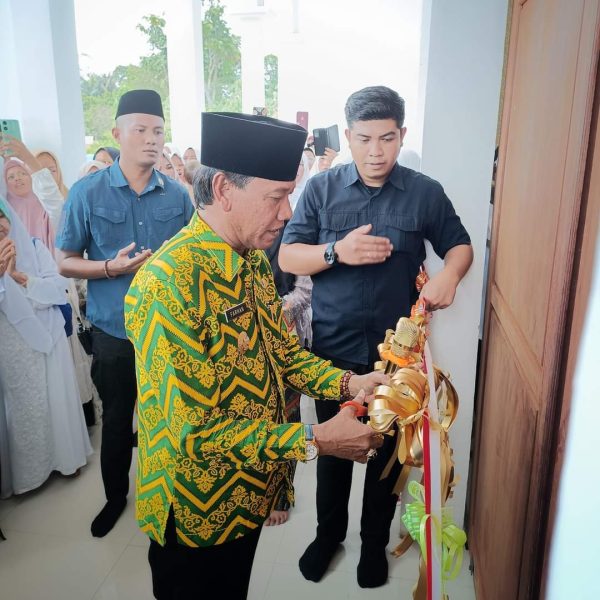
(311, 451)
(330, 255)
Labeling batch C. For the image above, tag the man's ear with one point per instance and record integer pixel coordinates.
(221, 191)
(347, 134)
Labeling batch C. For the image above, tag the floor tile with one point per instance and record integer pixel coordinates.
(287, 583)
(129, 579)
(34, 565)
(261, 575)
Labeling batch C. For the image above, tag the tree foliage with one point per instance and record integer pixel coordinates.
(271, 84)
(222, 61)
(101, 93)
(222, 74)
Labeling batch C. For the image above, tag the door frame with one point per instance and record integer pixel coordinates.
(544, 483)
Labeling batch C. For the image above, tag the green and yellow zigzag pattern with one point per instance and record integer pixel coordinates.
(212, 439)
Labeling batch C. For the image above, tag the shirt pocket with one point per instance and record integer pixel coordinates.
(335, 226)
(109, 226)
(164, 214)
(403, 231)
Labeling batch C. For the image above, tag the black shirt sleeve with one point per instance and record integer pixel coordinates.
(303, 227)
(442, 226)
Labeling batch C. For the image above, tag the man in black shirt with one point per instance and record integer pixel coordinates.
(359, 231)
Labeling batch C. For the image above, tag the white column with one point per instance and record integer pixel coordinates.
(38, 58)
(186, 71)
(253, 71)
(460, 114)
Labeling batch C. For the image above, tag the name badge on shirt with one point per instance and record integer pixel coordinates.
(236, 311)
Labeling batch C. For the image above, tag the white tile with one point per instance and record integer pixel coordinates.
(395, 589)
(140, 539)
(261, 574)
(36, 566)
(66, 506)
(66, 509)
(287, 582)
(270, 540)
(7, 506)
(130, 579)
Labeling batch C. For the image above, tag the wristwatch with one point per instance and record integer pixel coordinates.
(331, 257)
(312, 449)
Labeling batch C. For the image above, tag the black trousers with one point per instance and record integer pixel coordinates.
(113, 373)
(334, 480)
(180, 572)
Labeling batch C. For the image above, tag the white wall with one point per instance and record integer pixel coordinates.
(38, 57)
(460, 113)
(575, 556)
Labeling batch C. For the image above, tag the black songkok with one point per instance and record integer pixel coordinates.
(146, 102)
(252, 145)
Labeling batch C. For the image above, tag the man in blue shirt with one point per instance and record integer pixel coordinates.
(359, 231)
(119, 216)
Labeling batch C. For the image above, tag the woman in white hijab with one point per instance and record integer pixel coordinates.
(42, 427)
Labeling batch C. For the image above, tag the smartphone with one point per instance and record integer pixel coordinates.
(326, 137)
(302, 119)
(259, 111)
(11, 127)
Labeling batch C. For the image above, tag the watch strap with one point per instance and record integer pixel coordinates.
(308, 432)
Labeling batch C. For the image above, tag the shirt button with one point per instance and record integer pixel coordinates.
(141, 223)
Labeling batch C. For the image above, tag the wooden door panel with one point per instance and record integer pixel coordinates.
(549, 92)
(508, 449)
(544, 79)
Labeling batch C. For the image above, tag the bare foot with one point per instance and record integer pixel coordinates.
(278, 517)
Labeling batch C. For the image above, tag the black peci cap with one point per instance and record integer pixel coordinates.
(252, 145)
(146, 102)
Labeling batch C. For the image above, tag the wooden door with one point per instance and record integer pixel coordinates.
(549, 90)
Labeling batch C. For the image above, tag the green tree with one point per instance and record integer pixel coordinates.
(222, 61)
(272, 84)
(101, 93)
(222, 75)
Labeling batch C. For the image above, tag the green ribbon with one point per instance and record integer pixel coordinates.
(453, 539)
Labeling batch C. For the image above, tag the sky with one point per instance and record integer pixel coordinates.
(107, 34)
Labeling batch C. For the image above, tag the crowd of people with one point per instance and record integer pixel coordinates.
(213, 288)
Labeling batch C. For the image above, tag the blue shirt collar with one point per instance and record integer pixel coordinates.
(117, 179)
(395, 177)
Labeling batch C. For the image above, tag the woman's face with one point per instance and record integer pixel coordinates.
(165, 166)
(189, 154)
(18, 181)
(178, 166)
(93, 169)
(49, 163)
(4, 226)
(105, 157)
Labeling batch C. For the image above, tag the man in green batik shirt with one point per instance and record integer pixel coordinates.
(213, 356)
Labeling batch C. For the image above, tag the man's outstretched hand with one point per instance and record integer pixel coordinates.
(346, 437)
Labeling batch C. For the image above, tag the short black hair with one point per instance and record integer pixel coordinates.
(374, 103)
(203, 188)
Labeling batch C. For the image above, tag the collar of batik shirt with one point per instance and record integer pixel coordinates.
(228, 260)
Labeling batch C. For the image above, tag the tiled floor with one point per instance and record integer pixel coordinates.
(51, 555)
